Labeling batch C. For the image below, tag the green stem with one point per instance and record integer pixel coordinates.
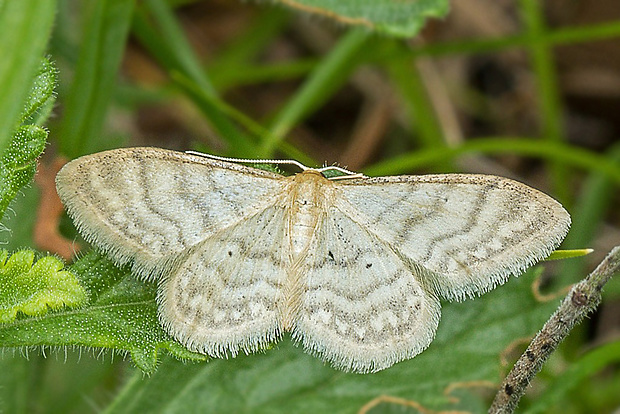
(551, 114)
(329, 74)
(554, 151)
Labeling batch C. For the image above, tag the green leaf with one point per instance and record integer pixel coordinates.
(26, 26)
(121, 315)
(18, 163)
(403, 18)
(34, 288)
(42, 89)
(285, 379)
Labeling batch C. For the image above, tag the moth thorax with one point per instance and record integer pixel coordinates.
(310, 193)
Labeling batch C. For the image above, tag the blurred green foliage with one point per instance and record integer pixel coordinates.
(119, 315)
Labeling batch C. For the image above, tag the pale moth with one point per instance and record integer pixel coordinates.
(353, 268)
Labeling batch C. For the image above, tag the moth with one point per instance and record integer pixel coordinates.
(354, 268)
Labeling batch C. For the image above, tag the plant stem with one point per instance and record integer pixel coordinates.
(582, 299)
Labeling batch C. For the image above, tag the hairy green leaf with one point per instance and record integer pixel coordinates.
(121, 315)
(33, 288)
(42, 89)
(18, 163)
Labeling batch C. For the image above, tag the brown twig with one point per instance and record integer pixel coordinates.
(581, 300)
